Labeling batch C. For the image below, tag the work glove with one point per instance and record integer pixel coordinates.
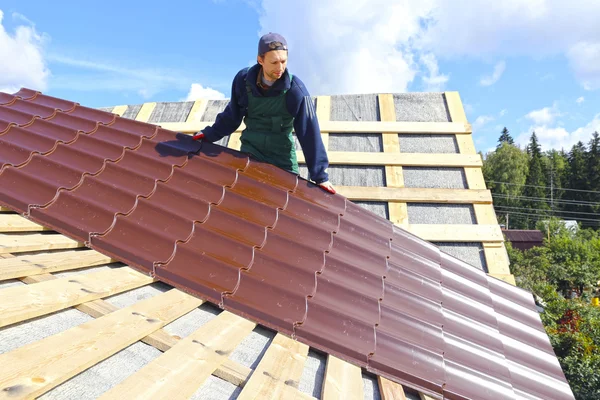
(327, 186)
(198, 136)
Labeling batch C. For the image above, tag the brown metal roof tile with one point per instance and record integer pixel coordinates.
(6, 99)
(270, 246)
(33, 109)
(418, 368)
(465, 383)
(26, 93)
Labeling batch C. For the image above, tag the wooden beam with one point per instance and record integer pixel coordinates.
(456, 233)
(399, 159)
(278, 373)
(17, 223)
(323, 116)
(35, 242)
(180, 371)
(21, 303)
(390, 390)
(119, 110)
(450, 128)
(343, 381)
(26, 265)
(38, 367)
(145, 112)
(418, 195)
(394, 177)
(496, 261)
(230, 371)
(5, 209)
(197, 110)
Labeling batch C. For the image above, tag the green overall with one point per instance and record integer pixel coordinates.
(268, 134)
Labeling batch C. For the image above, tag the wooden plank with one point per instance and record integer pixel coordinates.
(40, 366)
(421, 195)
(323, 115)
(423, 396)
(145, 112)
(390, 390)
(457, 115)
(25, 302)
(508, 278)
(5, 209)
(231, 371)
(278, 373)
(400, 159)
(342, 381)
(25, 265)
(235, 141)
(119, 110)
(17, 223)
(496, 260)
(451, 128)
(187, 364)
(35, 242)
(456, 232)
(394, 176)
(197, 110)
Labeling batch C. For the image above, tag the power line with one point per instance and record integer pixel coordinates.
(544, 200)
(551, 211)
(540, 216)
(545, 187)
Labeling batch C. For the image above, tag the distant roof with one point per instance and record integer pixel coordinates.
(524, 235)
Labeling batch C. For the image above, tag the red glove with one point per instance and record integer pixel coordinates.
(327, 186)
(198, 136)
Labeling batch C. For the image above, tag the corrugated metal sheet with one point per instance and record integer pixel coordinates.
(268, 246)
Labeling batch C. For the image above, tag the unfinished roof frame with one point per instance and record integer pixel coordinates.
(486, 230)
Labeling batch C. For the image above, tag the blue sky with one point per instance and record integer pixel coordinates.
(524, 64)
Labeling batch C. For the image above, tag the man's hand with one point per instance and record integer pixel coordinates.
(327, 186)
(198, 136)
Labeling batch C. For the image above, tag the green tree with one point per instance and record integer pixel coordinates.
(556, 166)
(536, 182)
(593, 172)
(577, 178)
(505, 170)
(505, 138)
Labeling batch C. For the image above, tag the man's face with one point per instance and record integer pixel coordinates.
(274, 64)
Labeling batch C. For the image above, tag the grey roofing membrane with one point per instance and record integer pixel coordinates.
(428, 143)
(171, 112)
(430, 213)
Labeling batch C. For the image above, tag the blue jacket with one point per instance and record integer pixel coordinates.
(299, 105)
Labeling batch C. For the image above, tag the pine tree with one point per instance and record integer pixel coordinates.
(505, 138)
(577, 178)
(593, 172)
(536, 182)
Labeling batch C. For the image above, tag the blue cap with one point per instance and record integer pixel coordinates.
(271, 41)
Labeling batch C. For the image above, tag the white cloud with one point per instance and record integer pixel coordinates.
(503, 112)
(435, 81)
(365, 48)
(112, 76)
(197, 91)
(481, 121)
(23, 62)
(580, 100)
(489, 80)
(584, 58)
(544, 116)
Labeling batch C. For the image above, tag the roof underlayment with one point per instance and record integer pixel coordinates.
(491, 336)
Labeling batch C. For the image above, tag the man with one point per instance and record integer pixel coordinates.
(272, 103)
